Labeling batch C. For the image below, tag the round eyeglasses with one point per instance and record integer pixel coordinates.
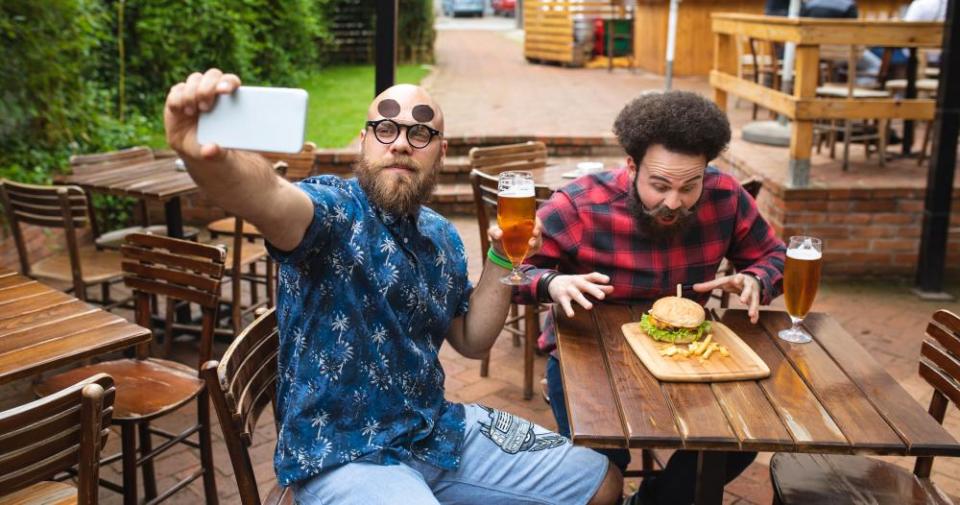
(387, 131)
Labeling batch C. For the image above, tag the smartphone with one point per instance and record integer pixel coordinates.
(256, 119)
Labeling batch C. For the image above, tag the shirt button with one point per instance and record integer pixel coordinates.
(406, 240)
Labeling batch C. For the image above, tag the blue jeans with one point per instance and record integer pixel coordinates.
(505, 460)
(676, 484)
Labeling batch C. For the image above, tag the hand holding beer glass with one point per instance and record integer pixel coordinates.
(516, 212)
(801, 278)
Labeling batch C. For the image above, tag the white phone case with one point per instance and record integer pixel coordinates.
(256, 119)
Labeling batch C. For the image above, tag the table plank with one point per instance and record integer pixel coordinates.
(10, 296)
(591, 405)
(647, 417)
(753, 419)
(61, 351)
(19, 341)
(702, 422)
(37, 301)
(51, 313)
(918, 429)
(9, 281)
(863, 426)
(810, 426)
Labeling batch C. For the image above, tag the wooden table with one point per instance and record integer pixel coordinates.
(42, 328)
(157, 180)
(829, 396)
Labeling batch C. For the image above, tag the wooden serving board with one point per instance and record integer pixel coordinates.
(742, 364)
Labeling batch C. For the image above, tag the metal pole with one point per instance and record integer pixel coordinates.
(671, 41)
(386, 45)
(946, 127)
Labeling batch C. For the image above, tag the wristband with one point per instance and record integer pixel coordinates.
(543, 287)
(498, 260)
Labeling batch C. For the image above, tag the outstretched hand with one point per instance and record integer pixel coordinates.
(185, 101)
(565, 289)
(747, 286)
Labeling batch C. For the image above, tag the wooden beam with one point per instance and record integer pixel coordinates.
(865, 108)
(759, 94)
(811, 31)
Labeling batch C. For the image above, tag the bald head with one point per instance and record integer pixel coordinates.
(407, 104)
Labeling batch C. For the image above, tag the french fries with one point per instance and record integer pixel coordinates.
(701, 350)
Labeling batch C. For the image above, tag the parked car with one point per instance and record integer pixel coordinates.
(503, 7)
(454, 8)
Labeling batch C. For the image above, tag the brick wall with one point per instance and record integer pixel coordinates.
(864, 231)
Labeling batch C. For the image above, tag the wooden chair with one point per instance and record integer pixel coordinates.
(241, 385)
(813, 479)
(759, 62)
(869, 134)
(148, 388)
(493, 160)
(485, 195)
(91, 163)
(753, 187)
(52, 435)
(63, 207)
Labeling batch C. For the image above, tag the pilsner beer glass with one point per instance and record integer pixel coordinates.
(516, 211)
(801, 278)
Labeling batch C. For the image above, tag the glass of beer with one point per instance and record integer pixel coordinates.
(516, 212)
(801, 278)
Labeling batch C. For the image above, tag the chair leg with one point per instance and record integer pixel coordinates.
(206, 449)
(105, 293)
(236, 306)
(271, 292)
(168, 327)
(833, 139)
(128, 442)
(514, 312)
(646, 458)
(882, 142)
(926, 143)
(149, 476)
(485, 366)
(847, 132)
(254, 292)
(531, 325)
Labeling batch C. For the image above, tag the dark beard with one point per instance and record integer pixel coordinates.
(398, 195)
(647, 219)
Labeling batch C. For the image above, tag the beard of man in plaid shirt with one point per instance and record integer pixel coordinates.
(634, 233)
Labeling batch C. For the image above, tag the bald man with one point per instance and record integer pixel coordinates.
(371, 284)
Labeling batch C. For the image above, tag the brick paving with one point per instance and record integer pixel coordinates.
(486, 88)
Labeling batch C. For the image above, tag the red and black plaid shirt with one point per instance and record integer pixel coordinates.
(588, 226)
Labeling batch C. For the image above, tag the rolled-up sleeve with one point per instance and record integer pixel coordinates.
(334, 210)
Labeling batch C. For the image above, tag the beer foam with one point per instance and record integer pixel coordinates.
(517, 192)
(804, 253)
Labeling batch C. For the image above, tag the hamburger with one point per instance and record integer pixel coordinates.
(675, 320)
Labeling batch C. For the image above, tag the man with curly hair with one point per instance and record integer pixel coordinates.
(633, 234)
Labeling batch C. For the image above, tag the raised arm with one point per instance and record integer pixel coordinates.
(241, 182)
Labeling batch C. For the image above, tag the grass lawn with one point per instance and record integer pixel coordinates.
(339, 97)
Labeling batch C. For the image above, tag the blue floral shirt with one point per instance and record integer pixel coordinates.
(364, 304)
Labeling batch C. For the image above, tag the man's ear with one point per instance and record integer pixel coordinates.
(363, 136)
(631, 166)
(443, 149)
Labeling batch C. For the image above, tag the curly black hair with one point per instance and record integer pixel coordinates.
(681, 121)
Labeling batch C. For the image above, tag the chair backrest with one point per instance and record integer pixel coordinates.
(753, 186)
(940, 367)
(49, 206)
(241, 385)
(178, 269)
(97, 162)
(485, 191)
(295, 166)
(50, 435)
(496, 159)
(940, 359)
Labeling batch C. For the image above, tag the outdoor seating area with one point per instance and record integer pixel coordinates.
(540, 258)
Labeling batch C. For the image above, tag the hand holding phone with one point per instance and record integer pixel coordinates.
(252, 118)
